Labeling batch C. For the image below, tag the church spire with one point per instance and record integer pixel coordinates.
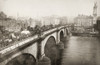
(95, 9)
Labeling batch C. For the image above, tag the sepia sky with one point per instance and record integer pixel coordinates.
(38, 8)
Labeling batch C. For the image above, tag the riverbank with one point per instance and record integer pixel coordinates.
(86, 34)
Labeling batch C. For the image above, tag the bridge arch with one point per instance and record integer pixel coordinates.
(23, 59)
(51, 50)
(61, 35)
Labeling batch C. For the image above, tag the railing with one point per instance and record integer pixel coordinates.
(5, 43)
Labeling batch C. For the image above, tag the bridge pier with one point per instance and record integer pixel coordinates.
(44, 61)
(39, 49)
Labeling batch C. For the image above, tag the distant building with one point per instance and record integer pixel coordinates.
(63, 20)
(83, 21)
(54, 20)
(97, 26)
(50, 20)
(33, 22)
(87, 21)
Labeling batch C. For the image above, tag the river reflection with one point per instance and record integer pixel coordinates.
(82, 51)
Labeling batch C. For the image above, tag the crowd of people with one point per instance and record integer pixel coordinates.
(8, 38)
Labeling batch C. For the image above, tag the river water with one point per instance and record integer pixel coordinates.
(81, 51)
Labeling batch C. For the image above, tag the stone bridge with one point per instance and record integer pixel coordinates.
(35, 50)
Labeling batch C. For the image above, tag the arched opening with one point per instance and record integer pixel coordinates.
(62, 36)
(23, 59)
(51, 50)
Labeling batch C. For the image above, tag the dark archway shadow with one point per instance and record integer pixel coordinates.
(62, 36)
(51, 50)
(23, 59)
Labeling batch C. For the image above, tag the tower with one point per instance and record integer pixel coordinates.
(95, 13)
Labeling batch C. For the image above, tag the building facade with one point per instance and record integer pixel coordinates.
(83, 23)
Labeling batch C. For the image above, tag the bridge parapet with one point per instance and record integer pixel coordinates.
(19, 43)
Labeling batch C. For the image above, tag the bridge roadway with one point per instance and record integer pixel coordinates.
(36, 47)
